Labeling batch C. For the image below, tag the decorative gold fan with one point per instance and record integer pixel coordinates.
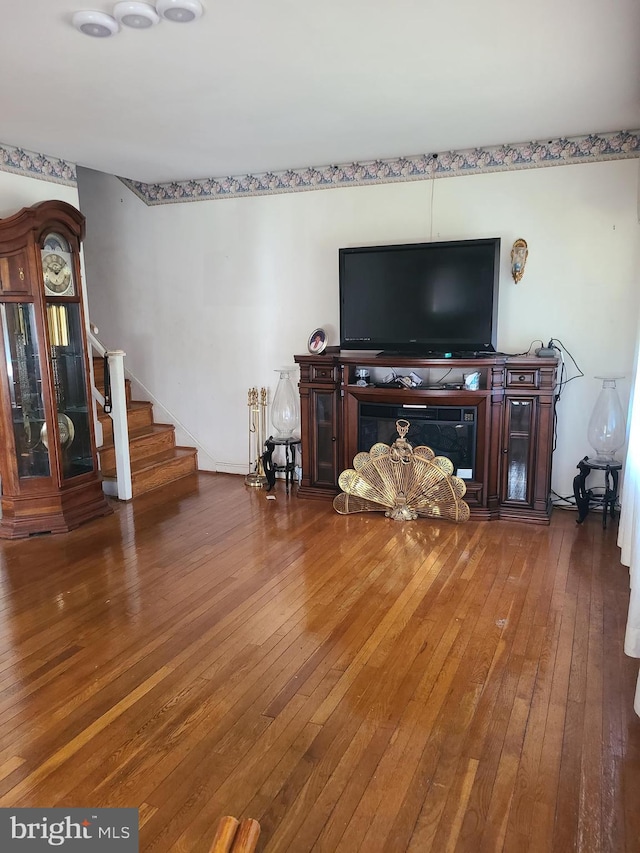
(403, 481)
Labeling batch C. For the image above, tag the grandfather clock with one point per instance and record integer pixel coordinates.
(48, 461)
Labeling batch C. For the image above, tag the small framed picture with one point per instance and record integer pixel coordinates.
(317, 341)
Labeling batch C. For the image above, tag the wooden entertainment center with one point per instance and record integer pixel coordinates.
(511, 421)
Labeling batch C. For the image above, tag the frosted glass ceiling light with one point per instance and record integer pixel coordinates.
(96, 24)
(140, 16)
(180, 11)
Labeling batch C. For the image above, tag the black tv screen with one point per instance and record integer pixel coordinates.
(418, 298)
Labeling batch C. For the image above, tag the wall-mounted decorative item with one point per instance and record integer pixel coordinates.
(402, 482)
(317, 341)
(519, 254)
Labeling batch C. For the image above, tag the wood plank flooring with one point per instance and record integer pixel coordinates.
(353, 683)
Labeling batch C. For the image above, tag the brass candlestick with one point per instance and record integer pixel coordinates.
(257, 429)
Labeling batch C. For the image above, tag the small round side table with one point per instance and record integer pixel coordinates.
(289, 467)
(584, 497)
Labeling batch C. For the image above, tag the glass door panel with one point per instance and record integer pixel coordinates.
(517, 472)
(25, 389)
(325, 455)
(70, 387)
(519, 413)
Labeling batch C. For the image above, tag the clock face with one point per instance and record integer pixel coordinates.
(57, 273)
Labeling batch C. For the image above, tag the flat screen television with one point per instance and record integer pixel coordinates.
(420, 298)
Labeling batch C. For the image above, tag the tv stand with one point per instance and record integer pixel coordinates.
(512, 411)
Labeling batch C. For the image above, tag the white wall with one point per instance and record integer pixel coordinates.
(209, 298)
(18, 191)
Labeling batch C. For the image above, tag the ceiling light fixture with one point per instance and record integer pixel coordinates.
(179, 11)
(96, 24)
(140, 16)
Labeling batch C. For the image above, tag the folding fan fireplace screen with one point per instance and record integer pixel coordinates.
(403, 482)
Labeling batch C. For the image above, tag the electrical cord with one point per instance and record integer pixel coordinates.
(556, 343)
(567, 502)
(527, 352)
(553, 343)
(442, 378)
(433, 172)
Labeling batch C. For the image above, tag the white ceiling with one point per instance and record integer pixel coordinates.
(254, 85)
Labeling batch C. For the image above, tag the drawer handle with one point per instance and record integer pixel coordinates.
(522, 378)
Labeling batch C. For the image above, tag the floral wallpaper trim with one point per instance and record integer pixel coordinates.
(472, 161)
(33, 165)
(499, 158)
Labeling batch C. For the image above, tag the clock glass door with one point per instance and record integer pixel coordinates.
(25, 389)
(69, 382)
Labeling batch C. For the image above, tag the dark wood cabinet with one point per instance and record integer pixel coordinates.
(529, 409)
(320, 419)
(48, 460)
(499, 435)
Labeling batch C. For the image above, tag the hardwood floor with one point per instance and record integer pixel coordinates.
(354, 683)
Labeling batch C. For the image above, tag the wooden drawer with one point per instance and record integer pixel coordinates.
(14, 273)
(526, 378)
(323, 373)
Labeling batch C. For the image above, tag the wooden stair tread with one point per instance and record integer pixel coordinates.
(139, 415)
(132, 406)
(142, 433)
(156, 461)
(154, 427)
(160, 458)
(161, 470)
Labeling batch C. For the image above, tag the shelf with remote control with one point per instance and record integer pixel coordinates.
(492, 416)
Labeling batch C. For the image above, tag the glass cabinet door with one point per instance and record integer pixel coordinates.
(518, 449)
(325, 458)
(25, 389)
(70, 387)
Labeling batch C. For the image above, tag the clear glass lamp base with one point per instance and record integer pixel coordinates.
(285, 412)
(607, 431)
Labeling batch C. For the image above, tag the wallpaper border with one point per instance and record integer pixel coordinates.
(476, 161)
(472, 161)
(30, 164)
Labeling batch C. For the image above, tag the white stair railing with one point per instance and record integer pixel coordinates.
(118, 415)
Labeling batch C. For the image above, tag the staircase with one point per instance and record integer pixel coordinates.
(155, 458)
